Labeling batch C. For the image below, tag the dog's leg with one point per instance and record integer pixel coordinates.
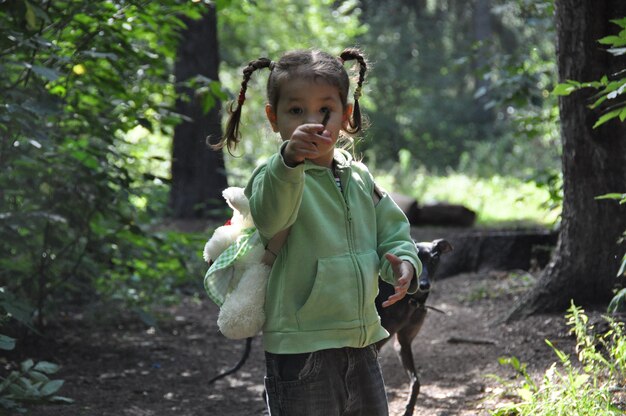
(405, 337)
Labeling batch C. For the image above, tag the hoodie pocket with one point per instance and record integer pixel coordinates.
(343, 284)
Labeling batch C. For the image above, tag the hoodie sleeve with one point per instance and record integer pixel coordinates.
(275, 193)
(394, 236)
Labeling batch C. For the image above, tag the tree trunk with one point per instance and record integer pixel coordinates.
(585, 263)
(482, 28)
(198, 173)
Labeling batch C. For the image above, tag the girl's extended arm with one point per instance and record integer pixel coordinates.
(275, 192)
(394, 238)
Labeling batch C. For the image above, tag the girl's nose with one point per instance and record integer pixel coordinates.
(313, 118)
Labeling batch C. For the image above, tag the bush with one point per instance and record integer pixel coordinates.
(593, 386)
(74, 77)
(30, 384)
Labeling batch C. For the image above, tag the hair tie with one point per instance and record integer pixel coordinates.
(357, 93)
(272, 65)
(241, 98)
(341, 61)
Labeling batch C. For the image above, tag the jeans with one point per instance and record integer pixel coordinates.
(335, 382)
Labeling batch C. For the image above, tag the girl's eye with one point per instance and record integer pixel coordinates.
(295, 111)
(325, 110)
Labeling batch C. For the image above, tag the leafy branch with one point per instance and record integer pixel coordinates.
(611, 92)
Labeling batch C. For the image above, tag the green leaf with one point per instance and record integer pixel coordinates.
(45, 72)
(620, 22)
(612, 40)
(222, 4)
(606, 117)
(6, 343)
(26, 365)
(208, 102)
(562, 356)
(612, 196)
(46, 367)
(565, 88)
(579, 381)
(618, 303)
(31, 18)
(20, 311)
(60, 399)
(599, 101)
(102, 55)
(51, 387)
(38, 377)
(218, 91)
(16, 390)
(622, 269)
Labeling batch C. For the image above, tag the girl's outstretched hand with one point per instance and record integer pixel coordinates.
(403, 270)
(307, 142)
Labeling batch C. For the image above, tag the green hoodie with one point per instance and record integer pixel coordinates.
(322, 287)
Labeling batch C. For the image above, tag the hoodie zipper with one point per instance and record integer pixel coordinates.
(350, 234)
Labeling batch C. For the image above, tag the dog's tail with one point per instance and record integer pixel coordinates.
(242, 361)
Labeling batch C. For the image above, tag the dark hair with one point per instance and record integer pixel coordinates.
(313, 64)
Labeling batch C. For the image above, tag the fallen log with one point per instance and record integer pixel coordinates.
(441, 214)
(491, 249)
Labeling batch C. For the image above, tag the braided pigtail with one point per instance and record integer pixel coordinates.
(232, 137)
(356, 124)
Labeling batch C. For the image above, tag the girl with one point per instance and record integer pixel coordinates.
(321, 322)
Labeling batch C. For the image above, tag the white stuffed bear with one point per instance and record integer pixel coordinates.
(242, 314)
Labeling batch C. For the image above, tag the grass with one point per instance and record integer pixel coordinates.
(593, 383)
(497, 200)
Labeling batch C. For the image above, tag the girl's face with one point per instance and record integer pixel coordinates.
(303, 101)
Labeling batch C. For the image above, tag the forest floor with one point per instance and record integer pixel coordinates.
(118, 367)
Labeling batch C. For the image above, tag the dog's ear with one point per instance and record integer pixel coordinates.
(443, 246)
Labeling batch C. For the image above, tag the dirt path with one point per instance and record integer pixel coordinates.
(120, 368)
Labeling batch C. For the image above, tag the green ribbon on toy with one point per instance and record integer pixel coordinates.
(218, 279)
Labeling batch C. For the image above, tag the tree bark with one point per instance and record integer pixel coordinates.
(482, 28)
(584, 266)
(198, 173)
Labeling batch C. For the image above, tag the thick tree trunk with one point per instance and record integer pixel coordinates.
(198, 173)
(585, 263)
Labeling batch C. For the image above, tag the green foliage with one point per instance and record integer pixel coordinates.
(590, 388)
(16, 308)
(611, 92)
(456, 99)
(76, 199)
(30, 384)
(12, 308)
(79, 192)
(137, 281)
(497, 200)
(526, 142)
(618, 302)
(418, 93)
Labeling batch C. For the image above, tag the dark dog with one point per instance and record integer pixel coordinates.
(404, 319)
